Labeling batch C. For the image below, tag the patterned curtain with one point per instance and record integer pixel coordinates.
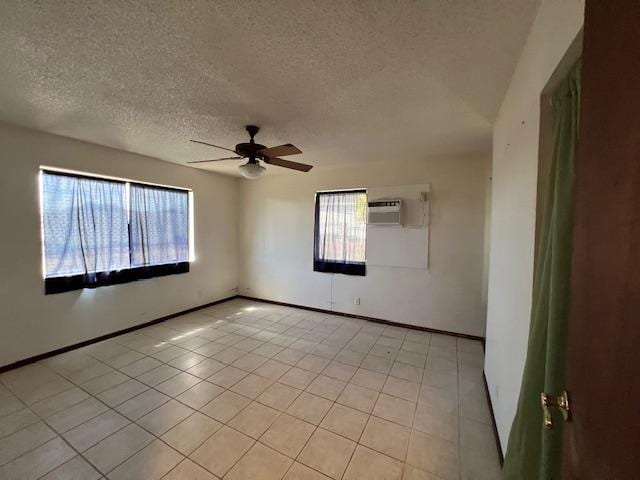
(340, 232)
(85, 225)
(159, 225)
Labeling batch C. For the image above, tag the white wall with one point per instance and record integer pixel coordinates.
(513, 211)
(32, 323)
(276, 232)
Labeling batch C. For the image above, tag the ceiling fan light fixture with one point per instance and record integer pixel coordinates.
(252, 170)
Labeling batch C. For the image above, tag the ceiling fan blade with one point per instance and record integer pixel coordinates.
(216, 160)
(280, 151)
(280, 162)
(212, 145)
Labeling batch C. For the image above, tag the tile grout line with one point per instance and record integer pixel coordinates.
(58, 435)
(237, 414)
(281, 413)
(316, 429)
(109, 408)
(341, 346)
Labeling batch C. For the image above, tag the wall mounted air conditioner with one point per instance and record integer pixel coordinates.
(385, 211)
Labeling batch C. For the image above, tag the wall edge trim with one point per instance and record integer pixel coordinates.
(362, 317)
(107, 336)
(493, 419)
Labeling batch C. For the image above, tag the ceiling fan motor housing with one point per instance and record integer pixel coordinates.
(249, 149)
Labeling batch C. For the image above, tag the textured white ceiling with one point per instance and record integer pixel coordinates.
(346, 81)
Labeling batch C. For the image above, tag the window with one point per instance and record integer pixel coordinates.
(340, 232)
(99, 231)
(159, 225)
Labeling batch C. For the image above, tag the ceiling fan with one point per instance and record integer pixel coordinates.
(256, 152)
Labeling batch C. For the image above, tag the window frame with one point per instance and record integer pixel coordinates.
(332, 266)
(66, 283)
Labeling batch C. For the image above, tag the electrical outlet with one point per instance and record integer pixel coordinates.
(356, 301)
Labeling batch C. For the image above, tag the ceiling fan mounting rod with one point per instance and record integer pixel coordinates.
(252, 130)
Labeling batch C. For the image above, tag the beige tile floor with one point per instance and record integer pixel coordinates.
(246, 390)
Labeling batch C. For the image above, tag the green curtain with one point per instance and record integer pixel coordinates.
(534, 452)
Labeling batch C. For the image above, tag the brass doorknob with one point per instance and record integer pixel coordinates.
(560, 402)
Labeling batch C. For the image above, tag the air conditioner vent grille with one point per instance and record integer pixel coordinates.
(385, 212)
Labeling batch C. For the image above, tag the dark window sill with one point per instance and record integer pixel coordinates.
(359, 269)
(102, 279)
